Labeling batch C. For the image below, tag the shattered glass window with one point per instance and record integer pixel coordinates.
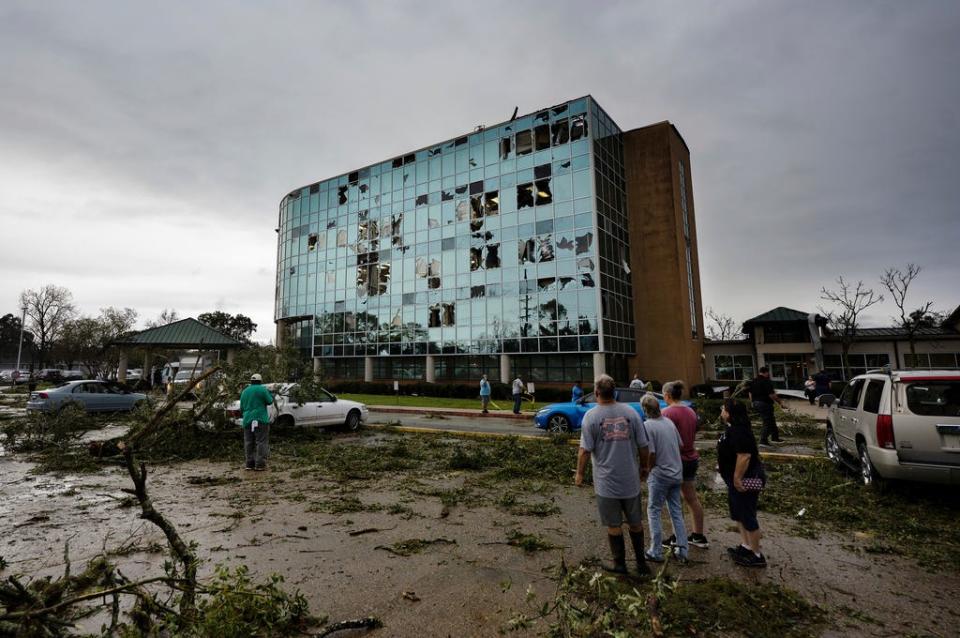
(541, 137)
(584, 242)
(524, 143)
(545, 248)
(544, 195)
(525, 195)
(491, 203)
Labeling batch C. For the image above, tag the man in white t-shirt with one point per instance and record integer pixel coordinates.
(517, 394)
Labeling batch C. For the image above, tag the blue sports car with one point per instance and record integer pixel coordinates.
(566, 417)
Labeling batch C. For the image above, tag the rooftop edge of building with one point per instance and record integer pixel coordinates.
(588, 96)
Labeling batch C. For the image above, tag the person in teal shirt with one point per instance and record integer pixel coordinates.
(256, 423)
(484, 393)
(577, 391)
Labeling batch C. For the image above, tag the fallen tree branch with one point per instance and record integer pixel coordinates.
(370, 622)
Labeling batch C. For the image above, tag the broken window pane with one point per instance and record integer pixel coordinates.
(527, 251)
(434, 320)
(478, 291)
(578, 127)
(312, 241)
(561, 132)
(525, 195)
(545, 248)
(342, 195)
(546, 283)
(476, 207)
(383, 279)
(421, 267)
(565, 247)
(584, 243)
(524, 142)
(433, 282)
(541, 171)
(506, 148)
(421, 200)
(586, 280)
(493, 256)
(475, 258)
(434, 269)
(585, 264)
(449, 314)
(476, 225)
(491, 203)
(445, 196)
(541, 136)
(342, 238)
(463, 211)
(544, 196)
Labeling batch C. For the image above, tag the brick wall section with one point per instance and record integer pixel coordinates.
(666, 348)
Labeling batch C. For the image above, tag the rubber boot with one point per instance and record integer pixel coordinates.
(636, 538)
(619, 550)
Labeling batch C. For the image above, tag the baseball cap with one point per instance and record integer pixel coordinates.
(256, 377)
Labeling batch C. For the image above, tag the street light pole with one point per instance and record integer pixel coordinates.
(23, 319)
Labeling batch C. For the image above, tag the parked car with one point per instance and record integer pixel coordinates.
(898, 425)
(16, 376)
(71, 375)
(49, 374)
(92, 396)
(567, 417)
(325, 410)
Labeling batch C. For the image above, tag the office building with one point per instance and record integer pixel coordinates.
(554, 246)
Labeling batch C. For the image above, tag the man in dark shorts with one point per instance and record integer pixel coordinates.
(611, 436)
(763, 395)
(686, 421)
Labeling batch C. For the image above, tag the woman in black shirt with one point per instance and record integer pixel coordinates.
(737, 458)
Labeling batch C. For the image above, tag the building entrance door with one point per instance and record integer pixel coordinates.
(787, 371)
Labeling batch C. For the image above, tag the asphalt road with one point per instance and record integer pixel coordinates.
(459, 423)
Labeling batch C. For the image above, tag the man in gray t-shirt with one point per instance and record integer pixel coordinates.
(612, 436)
(664, 480)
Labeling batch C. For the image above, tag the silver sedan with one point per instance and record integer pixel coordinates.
(91, 396)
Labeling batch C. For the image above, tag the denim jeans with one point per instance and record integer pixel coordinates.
(256, 445)
(517, 400)
(660, 491)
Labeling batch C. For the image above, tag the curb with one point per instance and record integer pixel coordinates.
(387, 409)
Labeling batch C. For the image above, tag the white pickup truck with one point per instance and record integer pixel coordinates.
(898, 425)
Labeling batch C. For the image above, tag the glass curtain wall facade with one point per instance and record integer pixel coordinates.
(509, 240)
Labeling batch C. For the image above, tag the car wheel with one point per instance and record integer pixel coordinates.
(833, 448)
(285, 421)
(868, 474)
(558, 424)
(352, 424)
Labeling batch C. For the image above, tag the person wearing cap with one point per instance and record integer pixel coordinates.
(256, 423)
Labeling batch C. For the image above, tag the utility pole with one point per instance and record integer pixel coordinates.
(23, 319)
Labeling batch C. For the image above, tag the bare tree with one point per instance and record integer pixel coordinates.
(898, 283)
(48, 311)
(166, 316)
(850, 302)
(721, 327)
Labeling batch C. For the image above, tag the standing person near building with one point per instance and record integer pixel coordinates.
(612, 436)
(577, 392)
(810, 389)
(517, 394)
(484, 393)
(685, 419)
(664, 478)
(637, 382)
(256, 423)
(737, 459)
(822, 380)
(763, 395)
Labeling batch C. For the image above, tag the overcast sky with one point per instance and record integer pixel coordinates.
(144, 147)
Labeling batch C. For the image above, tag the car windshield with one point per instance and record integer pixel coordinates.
(183, 376)
(934, 398)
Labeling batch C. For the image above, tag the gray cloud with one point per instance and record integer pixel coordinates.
(145, 147)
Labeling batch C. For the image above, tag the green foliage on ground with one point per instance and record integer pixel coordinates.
(587, 603)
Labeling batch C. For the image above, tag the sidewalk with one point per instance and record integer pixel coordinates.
(503, 414)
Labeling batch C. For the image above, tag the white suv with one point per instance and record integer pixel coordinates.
(898, 425)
